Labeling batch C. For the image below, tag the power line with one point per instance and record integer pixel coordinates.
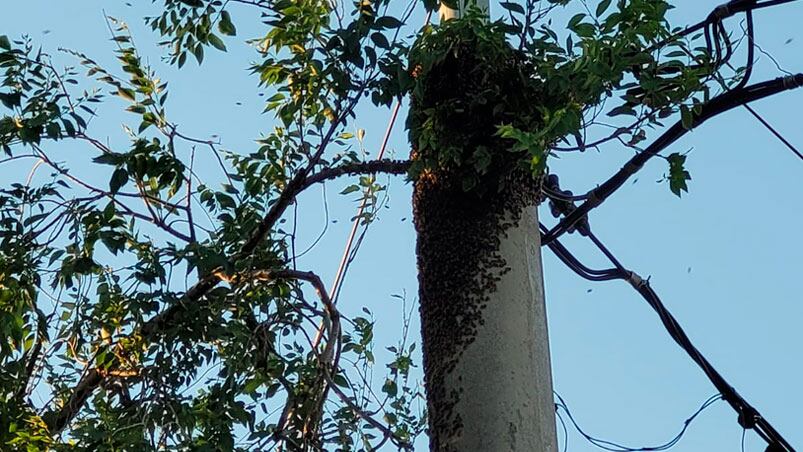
(748, 72)
(774, 132)
(749, 417)
(615, 447)
(719, 104)
(576, 218)
(741, 94)
(565, 430)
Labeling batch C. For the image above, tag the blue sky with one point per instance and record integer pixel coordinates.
(726, 258)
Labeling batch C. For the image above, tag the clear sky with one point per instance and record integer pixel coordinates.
(726, 258)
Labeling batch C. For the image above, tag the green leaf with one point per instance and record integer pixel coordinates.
(513, 7)
(126, 93)
(350, 189)
(584, 30)
(252, 385)
(388, 22)
(678, 174)
(686, 117)
(602, 7)
(193, 3)
(380, 40)
(68, 127)
(226, 26)
(53, 130)
(113, 241)
(575, 20)
(390, 388)
(199, 53)
(622, 110)
(4, 43)
(340, 380)
(109, 158)
(225, 201)
(11, 100)
(119, 178)
(216, 42)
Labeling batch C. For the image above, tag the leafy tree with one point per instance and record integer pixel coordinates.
(92, 305)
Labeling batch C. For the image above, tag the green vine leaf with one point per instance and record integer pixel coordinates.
(678, 174)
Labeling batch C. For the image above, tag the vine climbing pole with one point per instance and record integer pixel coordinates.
(486, 349)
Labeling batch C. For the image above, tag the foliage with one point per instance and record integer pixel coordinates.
(480, 104)
(159, 310)
(474, 94)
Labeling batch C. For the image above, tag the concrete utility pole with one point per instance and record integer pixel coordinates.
(486, 347)
(447, 13)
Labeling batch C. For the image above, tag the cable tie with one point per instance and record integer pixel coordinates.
(792, 82)
(592, 199)
(635, 280)
(747, 417)
(631, 167)
(722, 11)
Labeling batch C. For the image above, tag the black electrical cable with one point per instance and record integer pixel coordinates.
(720, 13)
(715, 106)
(749, 417)
(751, 51)
(739, 95)
(576, 266)
(726, 39)
(774, 132)
(747, 74)
(563, 196)
(772, 3)
(565, 430)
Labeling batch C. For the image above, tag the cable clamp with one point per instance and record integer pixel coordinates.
(792, 81)
(747, 417)
(592, 199)
(635, 280)
(631, 167)
(722, 11)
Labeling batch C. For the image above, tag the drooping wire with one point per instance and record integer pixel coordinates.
(749, 417)
(751, 51)
(724, 11)
(560, 203)
(615, 447)
(563, 196)
(565, 430)
(744, 433)
(578, 267)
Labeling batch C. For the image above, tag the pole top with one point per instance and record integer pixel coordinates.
(447, 13)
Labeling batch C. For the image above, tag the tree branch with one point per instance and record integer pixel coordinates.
(57, 420)
(60, 418)
(327, 356)
(369, 167)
